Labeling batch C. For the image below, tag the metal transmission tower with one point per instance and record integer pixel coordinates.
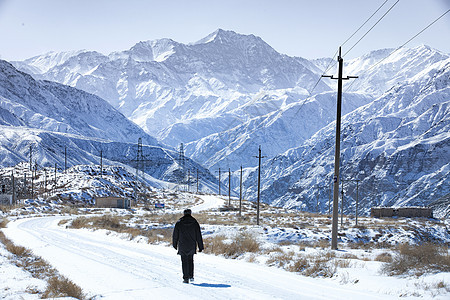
(337, 152)
(139, 163)
(182, 164)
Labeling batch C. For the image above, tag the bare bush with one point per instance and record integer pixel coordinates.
(158, 235)
(281, 259)
(3, 222)
(384, 257)
(60, 286)
(215, 245)
(241, 243)
(80, 222)
(319, 266)
(418, 259)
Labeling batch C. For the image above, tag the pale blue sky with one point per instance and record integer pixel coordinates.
(309, 29)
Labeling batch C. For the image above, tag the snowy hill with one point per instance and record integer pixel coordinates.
(56, 107)
(53, 119)
(397, 146)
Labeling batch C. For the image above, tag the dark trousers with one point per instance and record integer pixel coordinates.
(187, 264)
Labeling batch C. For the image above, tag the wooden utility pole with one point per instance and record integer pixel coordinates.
(342, 203)
(337, 153)
(55, 179)
(259, 184)
(101, 164)
(197, 181)
(229, 187)
(31, 157)
(65, 160)
(13, 188)
(240, 195)
(356, 207)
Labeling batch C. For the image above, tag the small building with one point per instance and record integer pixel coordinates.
(112, 202)
(406, 212)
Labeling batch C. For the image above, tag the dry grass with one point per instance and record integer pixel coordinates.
(58, 286)
(3, 222)
(158, 235)
(242, 242)
(117, 224)
(384, 257)
(418, 259)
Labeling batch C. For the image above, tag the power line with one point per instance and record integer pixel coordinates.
(364, 23)
(329, 66)
(379, 20)
(400, 47)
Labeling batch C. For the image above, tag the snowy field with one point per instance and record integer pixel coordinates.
(110, 265)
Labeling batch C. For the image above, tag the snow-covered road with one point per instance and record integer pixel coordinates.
(115, 268)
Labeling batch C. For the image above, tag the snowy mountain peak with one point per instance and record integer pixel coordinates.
(231, 38)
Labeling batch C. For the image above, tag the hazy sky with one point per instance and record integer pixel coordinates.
(310, 29)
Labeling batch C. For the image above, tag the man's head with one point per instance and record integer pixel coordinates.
(187, 212)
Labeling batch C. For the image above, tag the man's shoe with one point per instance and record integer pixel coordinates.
(185, 280)
(191, 279)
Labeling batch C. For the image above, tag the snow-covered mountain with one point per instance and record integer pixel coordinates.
(55, 120)
(55, 107)
(227, 93)
(398, 146)
(164, 85)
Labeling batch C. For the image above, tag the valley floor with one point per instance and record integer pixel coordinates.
(108, 265)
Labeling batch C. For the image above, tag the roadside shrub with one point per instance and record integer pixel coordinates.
(215, 245)
(319, 266)
(158, 235)
(60, 286)
(80, 222)
(106, 222)
(384, 257)
(3, 222)
(243, 242)
(300, 264)
(418, 259)
(280, 259)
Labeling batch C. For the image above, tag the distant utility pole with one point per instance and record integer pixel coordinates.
(342, 203)
(229, 187)
(259, 184)
(55, 178)
(197, 181)
(31, 157)
(13, 187)
(219, 181)
(101, 164)
(240, 195)
(337, 153)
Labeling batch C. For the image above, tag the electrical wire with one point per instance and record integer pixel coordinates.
(329, 66)
(379, 20)
(400, 47)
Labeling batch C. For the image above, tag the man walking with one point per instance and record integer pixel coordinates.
(186, 236)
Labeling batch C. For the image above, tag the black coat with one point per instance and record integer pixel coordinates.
(187, 235)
